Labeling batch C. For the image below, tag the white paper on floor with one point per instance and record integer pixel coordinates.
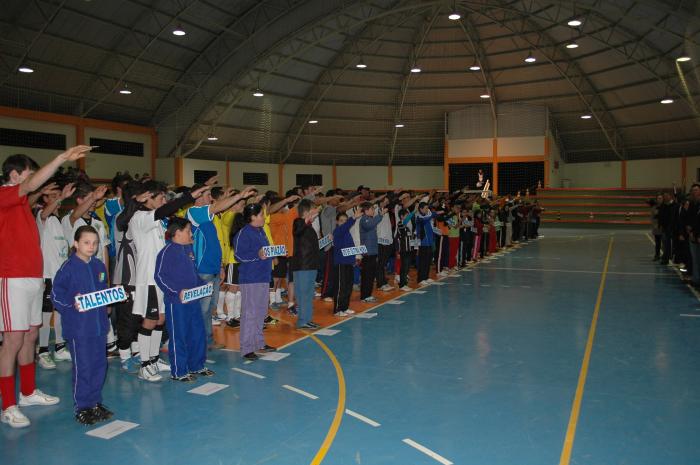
(274, 356)
(208, 389)
(327, 332)
(209, 361)
(112, 429)
(395, 302)
(365, 315)
(438, 284)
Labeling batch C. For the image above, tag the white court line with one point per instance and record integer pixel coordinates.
(678, 272)
(525, 287)
(485, 285)
(428, 452)
(299, 391)
(688, 315)
(625, 273)
(362, 418)
(249, 373)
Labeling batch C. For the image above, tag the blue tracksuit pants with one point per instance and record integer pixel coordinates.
(89, 370)
(187, 344)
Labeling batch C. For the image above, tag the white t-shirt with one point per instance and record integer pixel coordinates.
(54, 247)
(69, 232)
(149, 238)
(384, 233)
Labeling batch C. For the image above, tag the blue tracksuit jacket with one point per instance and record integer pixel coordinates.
(85, 332)
(175, 272)
(342, 239)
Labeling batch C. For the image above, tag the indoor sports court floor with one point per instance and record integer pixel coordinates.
(482, 368)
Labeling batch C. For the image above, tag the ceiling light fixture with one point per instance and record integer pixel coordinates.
(25, 69)
(530, 58)
(398, 125)
(179, 31)
(683, 59)
(313, 121)
(125, 90)
(212, 138)
(484, 96)
(415, 69)
(454, 16)
(575, 22)
(258, 93)
(571, 45)
(667, 100)
(361, 64)
(474, 67)
(586, 117)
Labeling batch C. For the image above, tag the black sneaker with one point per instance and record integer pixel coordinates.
(233, 323)
(111, 353)
(188, 378)
(292, 310)
(101, 412)
(203, 372)
(271, 321)
(266, 349)
(85, 416)
(251, 356)
(309, 325)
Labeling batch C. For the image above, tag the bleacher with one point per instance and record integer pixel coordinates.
(594, 206)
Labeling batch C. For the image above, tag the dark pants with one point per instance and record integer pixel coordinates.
(367, 274)
(328, 283)
(424, 258)
(405, 266)
(382, 258)
(89, 370)
(667, 247)
(657, 245)
(128, 324)
(343, 287)
(187, 345)
(465, 244)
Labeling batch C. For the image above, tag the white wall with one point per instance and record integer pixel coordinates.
(520, 146)
(238, 168)
(104, 166)
(349, 177)
(554, 157)
(165, 170)
(654, 173)
(291, 171)
(417, 177)
(460, 148)
(189, 165)
(41, 156)
(598, 174)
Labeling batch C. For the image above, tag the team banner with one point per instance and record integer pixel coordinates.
(196, 293)
(384, 241)
(324, 241)
(275, 250)
(101, 298)
(353, 251)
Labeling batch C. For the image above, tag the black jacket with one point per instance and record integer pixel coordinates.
(306, 252)
(668, 217)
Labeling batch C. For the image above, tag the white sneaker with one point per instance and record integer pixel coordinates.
(215, 322)
(219, 316)
(443, 273)
(317, 294)
(350, 312)
(328, 299)
(46, 362)
(161, 365)
(429, 280)
(407, 288)
(14, 417)
(386, 288)
(148, 375)
(62, 355)
(37, 398)
(340, 314)
(369, 300)
(397, 278)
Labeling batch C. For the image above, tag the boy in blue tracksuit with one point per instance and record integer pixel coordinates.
(175, 273)
(84, 331)
(342, 239)
(424, 231)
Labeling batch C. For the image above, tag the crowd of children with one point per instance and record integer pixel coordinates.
(158, 242)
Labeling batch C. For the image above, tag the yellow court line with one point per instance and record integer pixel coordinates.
(576, 407)
(340, 408)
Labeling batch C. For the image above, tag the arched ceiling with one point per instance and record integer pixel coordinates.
(303, 54)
